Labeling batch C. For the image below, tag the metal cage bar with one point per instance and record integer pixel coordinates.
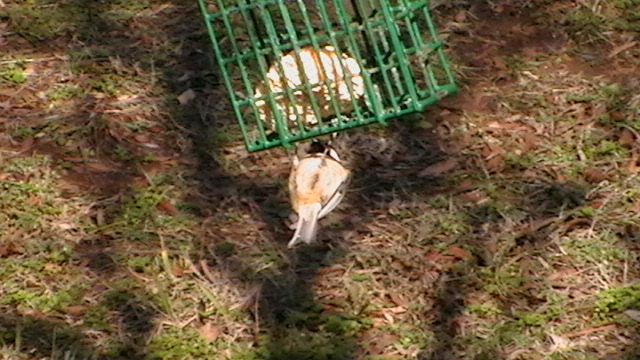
(374, 60)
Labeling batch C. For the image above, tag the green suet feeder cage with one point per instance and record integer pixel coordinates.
(296, 69)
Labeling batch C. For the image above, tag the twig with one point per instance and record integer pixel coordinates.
(588, 331)
(207, 271)
(15, 61)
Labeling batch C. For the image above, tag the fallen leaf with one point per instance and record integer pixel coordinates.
(387, 316)
(634, 314)
(209, 331)
(476, 197)
(530, 51)
(439, 168)
(465, 185)
(596, 204)
(459, 252)
(100, 167)
(496, 163)
(461, 16)
(530, 141)
(626, 137)
(186, 96)
(434, 256)
(177, 270)
(499, 63)
(561, 274)
(66, 225)
(168, 207)
(380, 343)
(398, 300)
(618, 116)
(35, 200)
(27, 144)
(559, 342)
(496, 125)
(76, 310)
(632, 164)
(141, 138)
(594, 175)
(7, 249)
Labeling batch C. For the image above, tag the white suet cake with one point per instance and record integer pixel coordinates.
(326, 72)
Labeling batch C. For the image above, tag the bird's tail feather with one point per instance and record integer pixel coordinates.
(307, 227)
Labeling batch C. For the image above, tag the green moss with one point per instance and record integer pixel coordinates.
(611, 302)
(12, 73)
(185, 343)
(65, 92)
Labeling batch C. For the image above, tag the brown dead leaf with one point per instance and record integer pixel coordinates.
(141, 138)
(439, 168)
(497, 125)
(465, 185)
(594, 175)
(8, 249)
(398, 300)
(209, 331)
(496, 163)
(561, 274)
(461, 16)
(27, 144)
(476, 197)
(76, 310)
(530, 141)
(168, 207)
(618, 116)
(596, 204)
(459, 252)
(177, 270)
(626, 137)
(381, 342)
(331, 269)
(434, 256)
(100, 167)
(530, 51)
(499, 63)
(632, 165)
(35, 200)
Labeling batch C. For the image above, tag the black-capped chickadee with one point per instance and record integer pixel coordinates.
(317, 184)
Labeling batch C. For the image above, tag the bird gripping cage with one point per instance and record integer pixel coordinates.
(296, 69)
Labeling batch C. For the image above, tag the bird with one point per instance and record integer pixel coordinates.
(317, 184)
(328, 74)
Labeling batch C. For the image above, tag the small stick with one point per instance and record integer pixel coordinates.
(588, 331)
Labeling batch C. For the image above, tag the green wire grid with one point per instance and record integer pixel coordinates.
(394, 42)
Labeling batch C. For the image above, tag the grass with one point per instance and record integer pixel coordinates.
(134, 226)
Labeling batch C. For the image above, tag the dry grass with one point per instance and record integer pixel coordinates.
(501, 225)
